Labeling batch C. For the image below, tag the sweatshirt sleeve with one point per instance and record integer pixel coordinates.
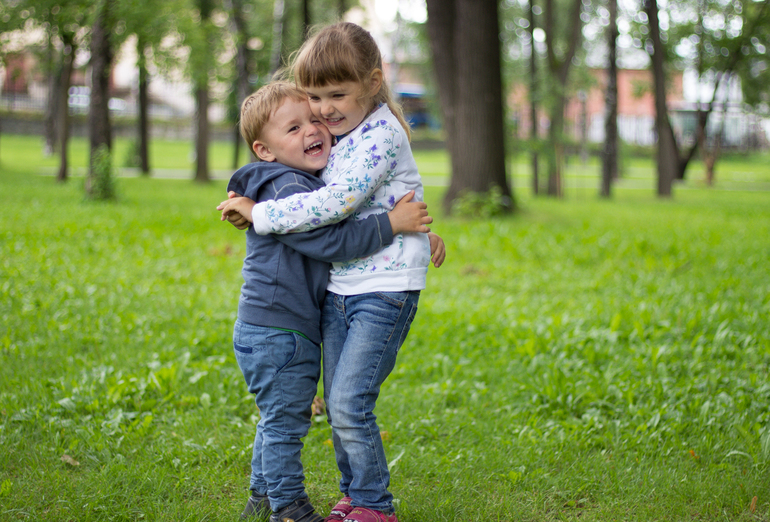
(366, 163)
(343, 241)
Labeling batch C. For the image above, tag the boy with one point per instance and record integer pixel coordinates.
(277, 334)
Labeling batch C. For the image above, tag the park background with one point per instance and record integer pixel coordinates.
(582, 355)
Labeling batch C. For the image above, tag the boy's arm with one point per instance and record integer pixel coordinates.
(350, 238)
(360, 173)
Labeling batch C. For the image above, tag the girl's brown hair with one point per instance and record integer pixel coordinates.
(344, 52)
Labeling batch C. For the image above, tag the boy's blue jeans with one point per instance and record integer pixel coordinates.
(282, 370)
(362, 335)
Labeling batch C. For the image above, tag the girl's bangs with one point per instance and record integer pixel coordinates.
(325, 68)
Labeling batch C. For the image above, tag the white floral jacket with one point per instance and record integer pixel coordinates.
(368, 171)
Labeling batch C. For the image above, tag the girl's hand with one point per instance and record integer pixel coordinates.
(235, 218)
(409, 216)
(437, 249)
(237, 210)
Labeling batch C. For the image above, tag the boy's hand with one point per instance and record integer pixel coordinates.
(409, 216)
(437, 249)
(235, 218)
(238, 221)
(238, 205)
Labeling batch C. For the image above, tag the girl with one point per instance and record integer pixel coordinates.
(371, 301)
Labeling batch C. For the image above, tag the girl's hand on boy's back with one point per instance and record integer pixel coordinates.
(409, 216)
(437, 249)
(237, 210)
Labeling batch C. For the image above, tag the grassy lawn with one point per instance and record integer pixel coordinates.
(579, 360)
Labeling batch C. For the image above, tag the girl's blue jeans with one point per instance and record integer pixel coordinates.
(282, 370)
(361, 338)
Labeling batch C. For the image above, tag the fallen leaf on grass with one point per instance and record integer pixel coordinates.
(753, 506)
(224, 251)
(69, 460)
(318, 407)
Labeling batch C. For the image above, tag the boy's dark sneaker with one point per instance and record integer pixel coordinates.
(361, 514)
(298, 511)
(257, 506)
(340, 511)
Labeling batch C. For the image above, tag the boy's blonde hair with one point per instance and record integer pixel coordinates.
(344, 52)
(257, 108)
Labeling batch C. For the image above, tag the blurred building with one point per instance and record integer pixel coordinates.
(584, 113)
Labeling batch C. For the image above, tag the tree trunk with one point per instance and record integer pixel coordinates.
(341, 9)
(556, 146)
(305, 19)
(63, 112)
(465, 38)
(276, 50)
(711, 154)
(533, 99)
(583, 99)
(668, 153)
(202, 134)
(559, 70)
(51, 110)
(241, 69)
(610, 156)
(441, 34)
(143, 137)
(99, 113)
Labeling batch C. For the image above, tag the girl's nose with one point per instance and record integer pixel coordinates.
(326, 108)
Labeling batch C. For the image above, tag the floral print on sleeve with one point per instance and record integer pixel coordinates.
(354, 172)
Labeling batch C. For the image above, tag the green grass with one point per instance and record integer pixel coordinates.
(580, 360)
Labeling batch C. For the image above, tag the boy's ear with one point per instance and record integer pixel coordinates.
(375, 82)
(262, 151)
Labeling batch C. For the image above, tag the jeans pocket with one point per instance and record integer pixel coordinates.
(248, 350)
(395, 298)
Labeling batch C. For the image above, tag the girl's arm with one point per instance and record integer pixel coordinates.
(362, 167)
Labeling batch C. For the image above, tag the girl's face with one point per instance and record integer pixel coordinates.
(338, 106)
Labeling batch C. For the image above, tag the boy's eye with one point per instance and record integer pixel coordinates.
(295, 127)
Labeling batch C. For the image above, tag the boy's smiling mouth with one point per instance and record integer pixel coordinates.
(315, 148)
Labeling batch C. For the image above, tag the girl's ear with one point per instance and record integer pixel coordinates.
(262, 151)
(375, 82)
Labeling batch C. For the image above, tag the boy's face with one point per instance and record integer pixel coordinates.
(294, 137)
